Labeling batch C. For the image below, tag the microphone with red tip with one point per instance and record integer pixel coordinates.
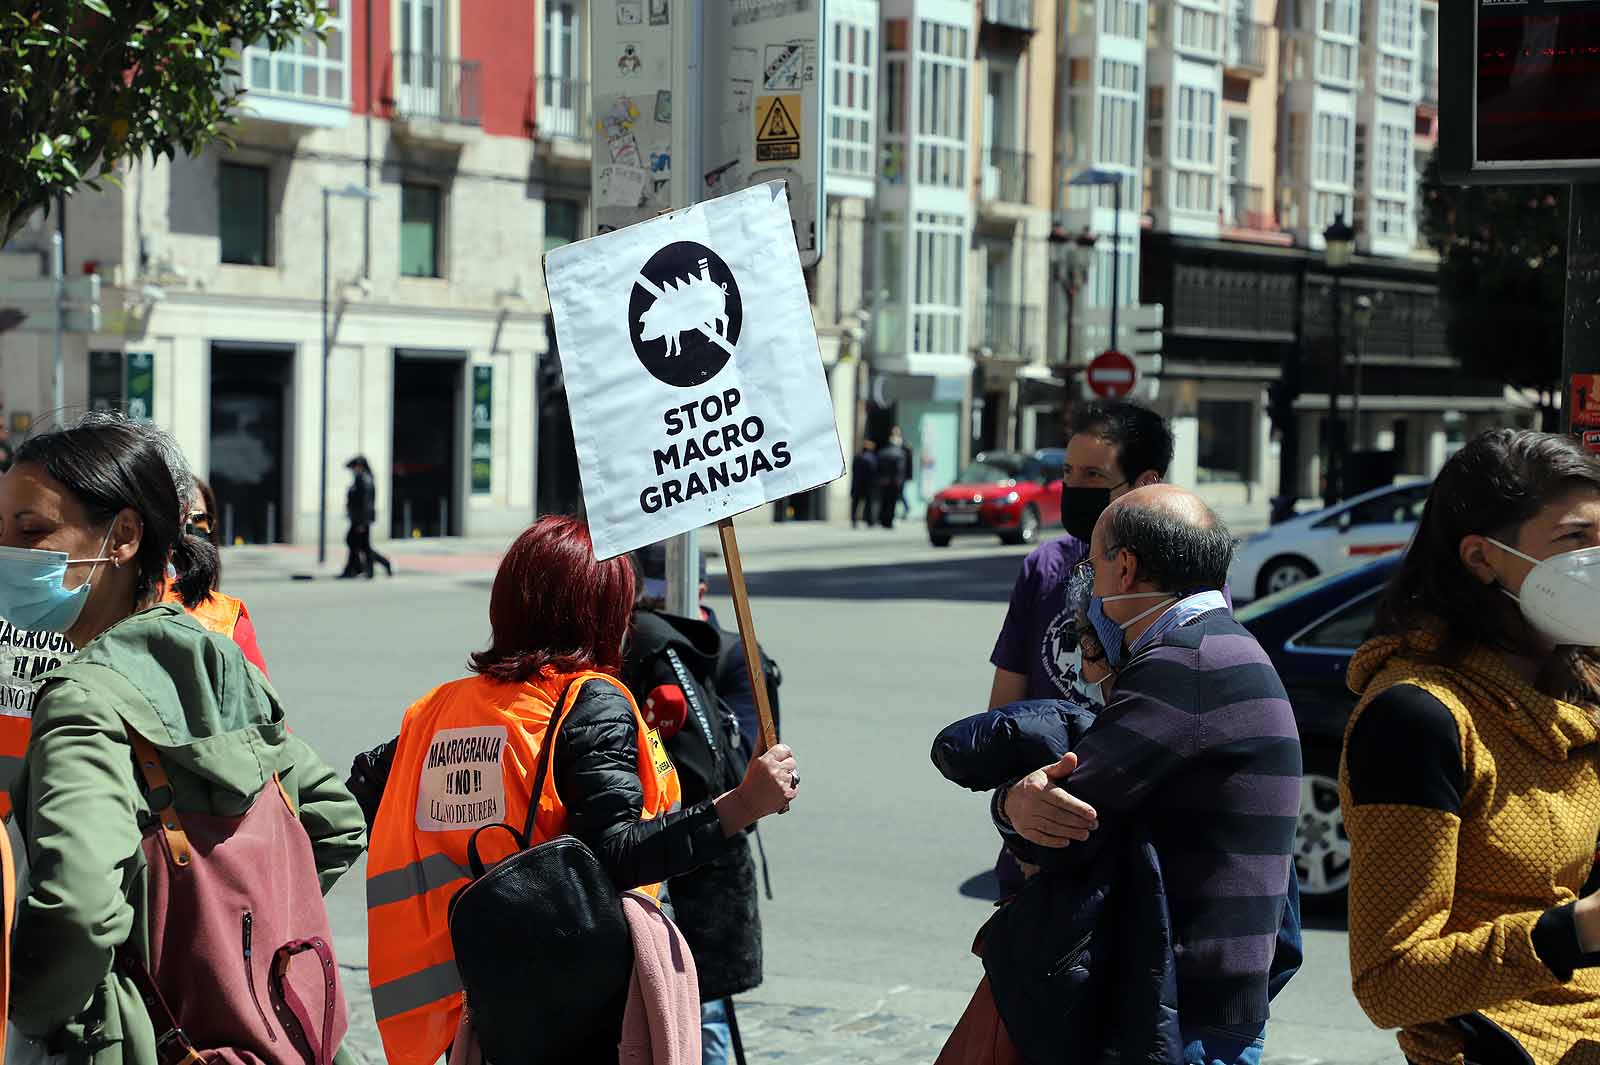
(665, 710)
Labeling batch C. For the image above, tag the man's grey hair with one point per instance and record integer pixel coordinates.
(1178, 552)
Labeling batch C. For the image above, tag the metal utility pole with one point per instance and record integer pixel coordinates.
(688, 107)
(322, 464)
(58, 271)
(1331, 476)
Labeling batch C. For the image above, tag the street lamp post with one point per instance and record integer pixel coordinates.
(1095, 177)
(1339, 242)
(1071, 256)
(1361, 317)
(350, 192)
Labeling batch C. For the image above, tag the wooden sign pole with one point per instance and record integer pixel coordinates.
(747, 632)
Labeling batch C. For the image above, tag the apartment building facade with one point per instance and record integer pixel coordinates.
(390, 173)
(1325, 109)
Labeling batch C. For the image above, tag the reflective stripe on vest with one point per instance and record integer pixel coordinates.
(466, 757)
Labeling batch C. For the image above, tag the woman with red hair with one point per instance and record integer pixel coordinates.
(466, 757)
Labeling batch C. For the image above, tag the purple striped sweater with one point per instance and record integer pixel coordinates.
(1199, 740)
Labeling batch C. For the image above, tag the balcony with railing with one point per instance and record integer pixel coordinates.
(1009, 330)
(437, 91)
(1248, 44)
(563, 109)
(1245, 207)
(1005, 175)
(1009, 14)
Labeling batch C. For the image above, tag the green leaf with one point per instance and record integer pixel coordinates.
(42, 148)
(98, 6)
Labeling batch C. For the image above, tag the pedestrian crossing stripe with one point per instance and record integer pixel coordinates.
(777, 131)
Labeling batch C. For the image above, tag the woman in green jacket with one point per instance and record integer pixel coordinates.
(90, 517)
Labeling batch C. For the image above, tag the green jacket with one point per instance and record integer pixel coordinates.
(79, 803)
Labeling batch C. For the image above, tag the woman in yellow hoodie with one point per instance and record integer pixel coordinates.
(1470, 778)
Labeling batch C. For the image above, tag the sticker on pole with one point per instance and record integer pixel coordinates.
(1112, 374)
(685, 410)
(777, 129)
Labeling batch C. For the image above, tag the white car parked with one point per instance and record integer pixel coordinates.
(1327, 541)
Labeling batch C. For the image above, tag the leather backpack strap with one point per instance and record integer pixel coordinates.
(564, 705)
(321, 1052)
(172, 1043)
(161, 797)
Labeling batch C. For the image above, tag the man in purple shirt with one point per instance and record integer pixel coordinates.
(1115, 447)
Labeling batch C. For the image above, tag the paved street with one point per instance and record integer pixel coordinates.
(880, 872)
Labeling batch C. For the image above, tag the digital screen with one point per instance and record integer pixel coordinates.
(1538, 82)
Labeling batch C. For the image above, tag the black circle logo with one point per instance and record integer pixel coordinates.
(684, 314)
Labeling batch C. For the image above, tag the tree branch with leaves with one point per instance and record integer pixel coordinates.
(1502, 277)
(85, 84)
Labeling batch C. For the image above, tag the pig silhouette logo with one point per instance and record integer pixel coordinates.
(685, 314)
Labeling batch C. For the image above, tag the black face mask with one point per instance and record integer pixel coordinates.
(1082, 506)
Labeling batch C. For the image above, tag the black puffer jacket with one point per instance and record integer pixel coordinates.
(715, 905)
(598, 778)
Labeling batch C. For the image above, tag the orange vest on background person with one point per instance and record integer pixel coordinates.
(219, 613)
(466, 756)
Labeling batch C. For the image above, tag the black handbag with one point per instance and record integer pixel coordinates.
(540, 941)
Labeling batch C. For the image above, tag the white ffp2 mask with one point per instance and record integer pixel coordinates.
(1560, 597)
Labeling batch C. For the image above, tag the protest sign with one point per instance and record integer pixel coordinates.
(691, 368)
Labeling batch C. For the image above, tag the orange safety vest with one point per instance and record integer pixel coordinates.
(465, 758)
(218, 613)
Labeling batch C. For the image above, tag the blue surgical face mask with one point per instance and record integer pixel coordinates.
(31, 594)
(1111, 631)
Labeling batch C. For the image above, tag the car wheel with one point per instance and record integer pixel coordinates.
(1321, 845)
(939, 539)
(1027, 530)
(1283, 572)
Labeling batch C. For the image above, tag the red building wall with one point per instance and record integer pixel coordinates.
(499, 35)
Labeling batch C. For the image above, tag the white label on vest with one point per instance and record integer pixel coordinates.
(461, 786)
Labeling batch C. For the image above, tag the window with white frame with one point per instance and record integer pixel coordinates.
(1119, 113)
(851, 63)
(942, 105)
(1195, 150)
(1330, 150)
(1389, 218)
(1327, 206)
(1397, 24)
(939, 284)
(1336, 62)
(1392, 167)
(1339, 17)
(312, 70)
(1196, 127)
(1122, 18)
(1194, 190)
(1394, 75)
(1199, 31)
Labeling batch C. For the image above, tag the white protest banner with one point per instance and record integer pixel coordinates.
(691, 368)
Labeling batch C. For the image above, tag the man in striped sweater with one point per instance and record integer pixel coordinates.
(1198, 741)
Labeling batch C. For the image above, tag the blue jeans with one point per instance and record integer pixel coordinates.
(716, 1038)
(1233, 1044)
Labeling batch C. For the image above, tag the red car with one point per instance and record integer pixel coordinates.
(1002, 493)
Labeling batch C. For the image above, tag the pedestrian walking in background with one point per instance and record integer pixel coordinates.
(559, 619)
(893, 468)
(671, 667)
(1469, 782)
(905, 482)
(1197, 747)
(219, 612)
(361, 507)
(129, 856)
(863, 483)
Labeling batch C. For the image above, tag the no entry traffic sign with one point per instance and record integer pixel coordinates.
(1112, 374)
